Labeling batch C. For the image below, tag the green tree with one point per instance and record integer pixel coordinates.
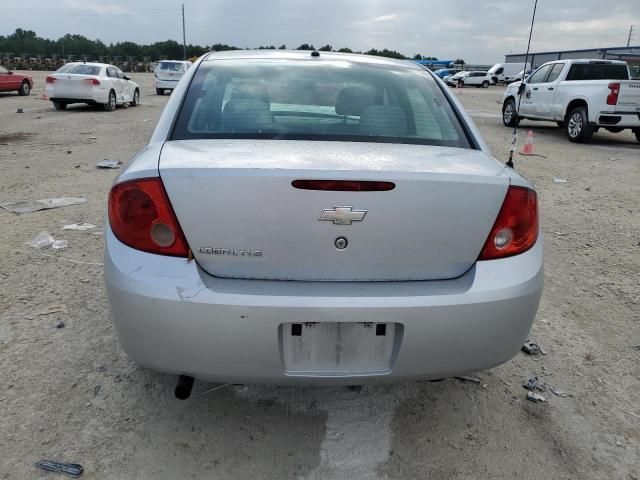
(345, 50)
(326, 48)
(305, 46)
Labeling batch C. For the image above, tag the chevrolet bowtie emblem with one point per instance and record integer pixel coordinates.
(342, 215)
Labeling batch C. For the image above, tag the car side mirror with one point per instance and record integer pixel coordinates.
(126, 77)
(521, 88)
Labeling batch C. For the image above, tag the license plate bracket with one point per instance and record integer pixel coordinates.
(339, 348)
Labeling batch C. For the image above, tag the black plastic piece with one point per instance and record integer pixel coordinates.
(71, 469)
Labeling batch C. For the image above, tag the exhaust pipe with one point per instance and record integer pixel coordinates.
(183, 387)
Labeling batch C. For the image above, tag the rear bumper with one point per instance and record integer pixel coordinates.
(168, 84)
(93, 96)
(173, 317)
(618, 119)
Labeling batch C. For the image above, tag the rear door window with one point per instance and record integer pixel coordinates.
(540, 75)
(555, 72)
(598, 71)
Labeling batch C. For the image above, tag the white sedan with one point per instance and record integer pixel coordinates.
(93, 84)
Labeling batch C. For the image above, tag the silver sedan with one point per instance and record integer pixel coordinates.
(311, 217)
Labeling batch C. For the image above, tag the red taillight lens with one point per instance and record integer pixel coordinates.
(612, 98)
(516, 228)
(92, 81)
(141, 216)
(50, 79)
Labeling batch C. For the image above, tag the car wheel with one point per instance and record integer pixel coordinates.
(159, 91)
(111, 103)
(25, 89)
(509, 113)
(136, 98)
(577, 126)
(59, 105)
(485, 84)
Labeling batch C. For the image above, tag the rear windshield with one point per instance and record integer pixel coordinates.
(598, 71)
(79, 69)
(316, 100)
(171, 66)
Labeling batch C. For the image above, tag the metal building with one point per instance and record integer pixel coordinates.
(630, 54)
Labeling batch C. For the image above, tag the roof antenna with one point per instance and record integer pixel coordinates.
(514, 136)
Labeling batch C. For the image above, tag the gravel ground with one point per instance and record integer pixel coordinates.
(71, 394)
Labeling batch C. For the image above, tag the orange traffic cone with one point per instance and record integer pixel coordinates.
(44, 97)
(527, 148)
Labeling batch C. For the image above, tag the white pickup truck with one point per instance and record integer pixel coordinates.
(581, 96)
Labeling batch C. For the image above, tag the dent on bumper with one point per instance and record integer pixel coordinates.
(173, 317)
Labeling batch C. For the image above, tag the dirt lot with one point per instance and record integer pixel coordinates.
(71, 394)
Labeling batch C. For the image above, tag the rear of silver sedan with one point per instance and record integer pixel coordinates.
(319, 219)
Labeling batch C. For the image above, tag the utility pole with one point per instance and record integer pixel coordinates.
(184, 37)
(629, 38)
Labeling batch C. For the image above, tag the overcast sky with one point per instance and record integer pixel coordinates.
(479, 31)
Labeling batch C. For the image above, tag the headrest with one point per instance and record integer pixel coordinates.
(352, 101)
(247, 115)
(383, 121)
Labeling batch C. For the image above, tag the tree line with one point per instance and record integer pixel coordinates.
(27, 42)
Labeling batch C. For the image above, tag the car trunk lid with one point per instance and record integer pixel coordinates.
(243, 218)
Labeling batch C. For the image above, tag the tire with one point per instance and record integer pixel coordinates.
(59, 105)
(560, 124)
(110, 106)
(577, 126)
(159, 91)
(25, 89)
(637, 132)
(135, 101)
(485, 84)
(509, 114)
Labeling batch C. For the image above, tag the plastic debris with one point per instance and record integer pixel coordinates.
(636, 348)
(533, 384)
(60, 324)
(535, 397)
(43, 240)
(559, 393)
(109, 164)
(80, 228)
(468, 379)
(559, 180)
(19, 110)
(71, 469)
(60, 244)
(29, 206)
(531, 348)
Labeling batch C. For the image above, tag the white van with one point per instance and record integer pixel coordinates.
(505, 72)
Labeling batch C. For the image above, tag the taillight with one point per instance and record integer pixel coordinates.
(50, 79)
(92, 81)
(612, 98)
(141, 216)
(516, 228)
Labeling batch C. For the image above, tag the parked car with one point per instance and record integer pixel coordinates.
(316, 217)
(522, 74)
(453, 80)
(12, 81)
(443, 72)
(93, 84)
(168, 73)
(505, 72)
(581, 96)
(476, 79)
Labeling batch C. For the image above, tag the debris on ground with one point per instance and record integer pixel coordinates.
(533, 384)
(43, 240)
(531, 348)
(30, 206)
(60, 244)
(559, 393)
(559, 180)
(535, 397)
(81, 228)
(19, 110)
(109, 164)
(71, 469)
(54, 308)
(60, 324)
(468, 379)
(636, 348)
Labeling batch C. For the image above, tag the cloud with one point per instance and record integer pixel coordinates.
(384, 18)
(97, 7)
